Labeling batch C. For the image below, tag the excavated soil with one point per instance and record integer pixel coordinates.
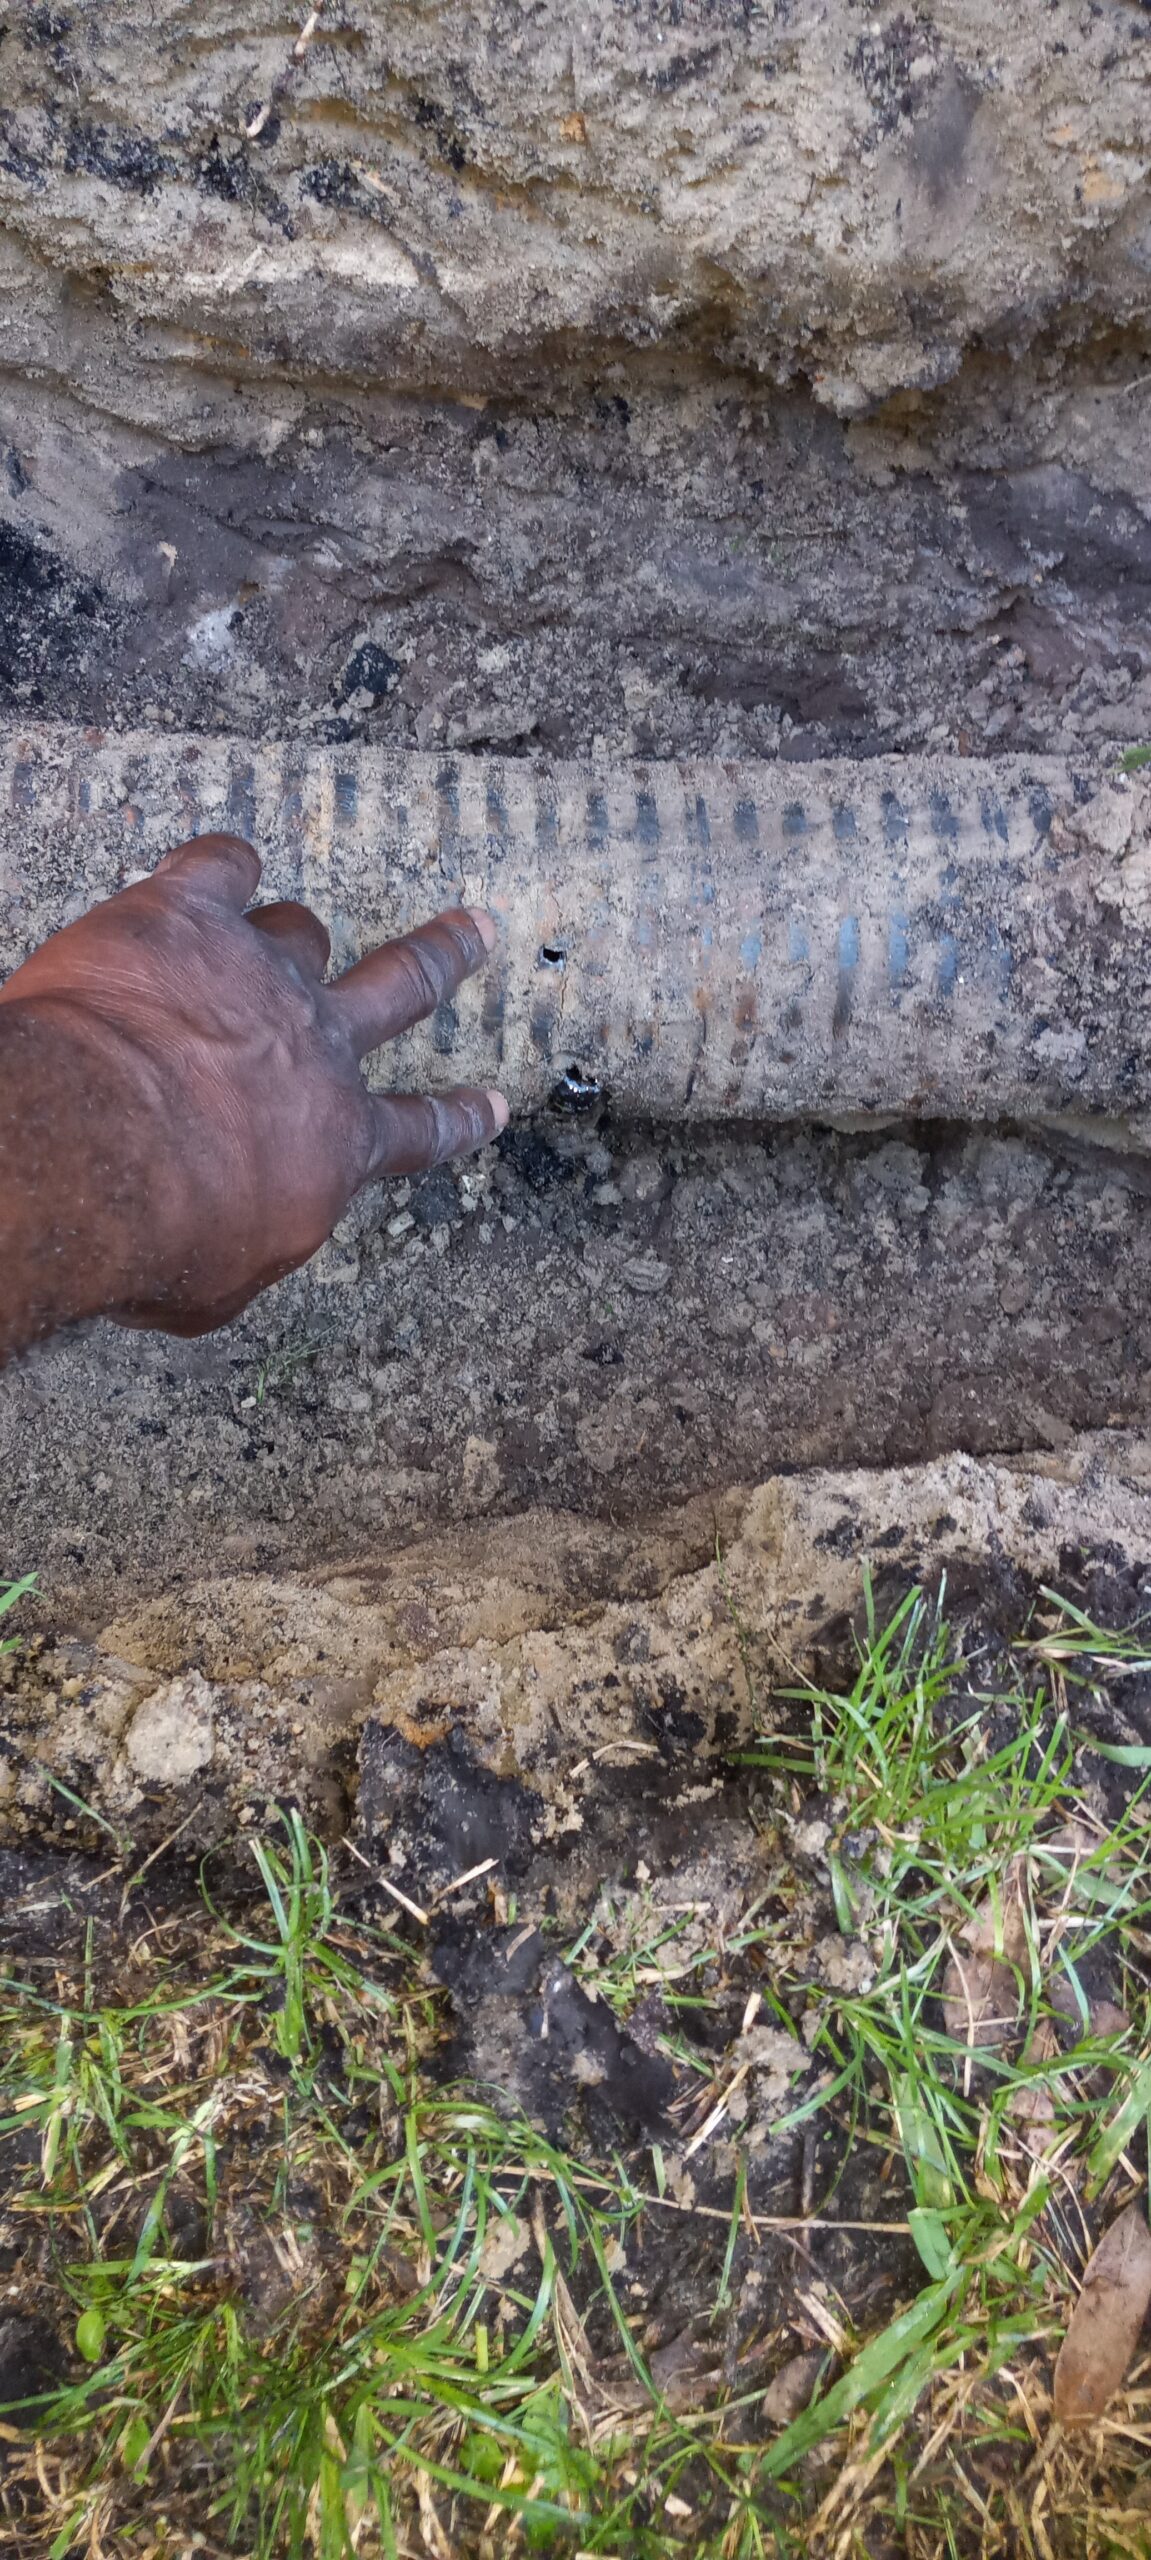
(647, 562)
(598, 1320)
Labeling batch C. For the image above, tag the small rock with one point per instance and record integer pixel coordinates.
(1106, 820)
(642, 1178)
(331, 1269)
(775, 2058)
(791, 2389)
(1050, 1430)
(172, 1734)
(646, 1276)
(1134, 883)
(1014, 1293)
(844, 1964)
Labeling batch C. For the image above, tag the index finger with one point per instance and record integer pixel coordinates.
(220, 866)
(404, 981)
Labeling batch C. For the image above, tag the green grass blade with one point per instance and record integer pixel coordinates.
(871, 2367)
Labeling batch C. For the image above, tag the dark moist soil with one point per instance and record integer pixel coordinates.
(656, 563)
(600, 1318)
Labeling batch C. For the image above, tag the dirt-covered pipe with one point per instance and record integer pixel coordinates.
(923, 936)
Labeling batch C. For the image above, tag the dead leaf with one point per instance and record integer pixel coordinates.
(790, 2389)
(505, 2241)
(685, 2372)
(432, 2535)
(1104, 2327)
(1107, 2019)
(1033, 2106)
(980, 2000)
(980, 1986)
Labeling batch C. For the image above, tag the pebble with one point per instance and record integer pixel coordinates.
(646, 1276)
(641, 1178)
(172, 1734)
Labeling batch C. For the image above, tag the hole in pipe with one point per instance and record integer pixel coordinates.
(576, 1091)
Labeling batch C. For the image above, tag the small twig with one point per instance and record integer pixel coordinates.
(768, 2221)
(404, 1899)
(307, 32)
(719, 2110)
(469, 1877)
(161, 2428)
(256, 124)
(173, 1836)
(719, 2212)
(394, 1889)
(807, 2171)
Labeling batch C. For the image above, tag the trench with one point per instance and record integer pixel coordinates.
(820, 989)
(788, 752)
(829, 1088)
(788, 749)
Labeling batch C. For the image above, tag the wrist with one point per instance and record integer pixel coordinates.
(77, 1175)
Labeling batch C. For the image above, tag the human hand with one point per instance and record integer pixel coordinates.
(247, 1127)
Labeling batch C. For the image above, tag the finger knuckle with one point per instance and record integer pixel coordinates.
(424, 977)
(443, 1128)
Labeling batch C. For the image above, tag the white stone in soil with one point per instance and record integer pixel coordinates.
(172, 1735)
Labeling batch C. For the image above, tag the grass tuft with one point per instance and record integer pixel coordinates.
(10, 1595)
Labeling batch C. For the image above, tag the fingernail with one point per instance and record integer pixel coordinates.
(500, 1112)
(485, 925)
